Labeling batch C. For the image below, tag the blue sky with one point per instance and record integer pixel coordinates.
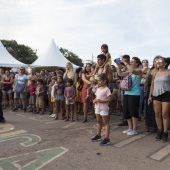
(135, 27)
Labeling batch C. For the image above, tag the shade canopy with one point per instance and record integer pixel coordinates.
(51, 57)
(7, 60)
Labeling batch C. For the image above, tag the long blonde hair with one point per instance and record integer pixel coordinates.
(71, 70)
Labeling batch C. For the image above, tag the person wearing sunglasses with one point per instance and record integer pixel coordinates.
(21, 80)
(160, 93)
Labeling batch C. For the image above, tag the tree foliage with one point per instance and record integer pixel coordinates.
(73, 58)
(19, 51)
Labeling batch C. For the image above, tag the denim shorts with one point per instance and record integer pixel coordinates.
(60, 97)
(7, 91)
(20, 95)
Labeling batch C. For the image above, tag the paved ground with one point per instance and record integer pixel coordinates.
(29, 142)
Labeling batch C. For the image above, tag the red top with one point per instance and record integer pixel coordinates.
(32, 90)
(7, 86)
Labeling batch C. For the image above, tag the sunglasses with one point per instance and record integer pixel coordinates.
(21, 69)
(159, 61)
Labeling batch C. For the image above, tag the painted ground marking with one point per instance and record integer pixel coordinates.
(34, 118)
(130, 140)
(69, 125)
(56, 121)
(32, 139)
(42, 158)
(12, 133)
(6, 128)
(161, 154)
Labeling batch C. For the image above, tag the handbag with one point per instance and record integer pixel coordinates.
(19, 88)
(127, 84)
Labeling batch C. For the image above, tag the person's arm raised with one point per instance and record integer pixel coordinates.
(119, 71)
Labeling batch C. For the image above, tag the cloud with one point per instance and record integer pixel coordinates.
(128, 27)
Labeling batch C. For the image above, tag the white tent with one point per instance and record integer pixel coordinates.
(51, 57)
(7, 60)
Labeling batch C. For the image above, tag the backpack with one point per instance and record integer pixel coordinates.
(127, 84)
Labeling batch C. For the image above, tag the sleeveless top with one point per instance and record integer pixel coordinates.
(161, 84)
(7, 86)
(135, 91)
(69, 92)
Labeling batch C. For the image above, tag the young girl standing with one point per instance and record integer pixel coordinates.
(103, 97)
(59, 93)
(32, 99)
(69, 95)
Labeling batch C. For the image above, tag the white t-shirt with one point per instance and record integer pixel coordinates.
(20, 79)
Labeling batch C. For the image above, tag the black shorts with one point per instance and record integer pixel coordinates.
(130, 106)
(165, 97)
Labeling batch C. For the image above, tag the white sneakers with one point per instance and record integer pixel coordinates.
(130, 132)
(127, 130)
(53, 115)
(133, 132)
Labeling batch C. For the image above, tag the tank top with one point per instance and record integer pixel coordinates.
(7, 86)
(161, 84)
(69, 92)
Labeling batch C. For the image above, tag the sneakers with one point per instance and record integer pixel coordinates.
(96, 138)
(127, 130)
(165, 137)
(105, 142)
(52, 115)
(15, 109)
(159, 135)
(132, 132)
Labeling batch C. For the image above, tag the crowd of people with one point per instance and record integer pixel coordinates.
(130, 89)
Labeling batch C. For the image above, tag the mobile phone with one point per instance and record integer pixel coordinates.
(117, 60)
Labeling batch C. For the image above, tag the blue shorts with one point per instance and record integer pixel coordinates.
(60, 97)
(19, 95)
(8, 91)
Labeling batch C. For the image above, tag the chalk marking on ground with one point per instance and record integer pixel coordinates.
(42, 158)
(12, 133)
(21, 115)
(130, 140)
(90, 131)
(69, 125)
(6, 128)
(56, 121)
(161, 154)
(34, 118)
(32, 139)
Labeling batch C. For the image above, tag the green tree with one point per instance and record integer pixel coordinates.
(21, 52)
(73, 58)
